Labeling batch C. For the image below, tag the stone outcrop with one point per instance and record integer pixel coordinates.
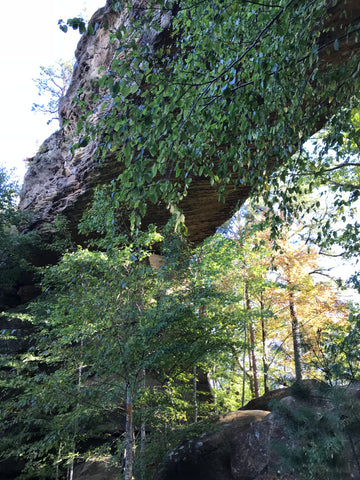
(61, 182)
(241, 444)
(96, 470)
(215, 455)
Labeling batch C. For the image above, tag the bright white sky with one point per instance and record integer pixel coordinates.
(30, 37)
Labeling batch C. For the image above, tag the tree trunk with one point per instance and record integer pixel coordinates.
(244, 370)
(129, 436)
(264, 336)
(212, 387)
(143, 431)
(195, 396)
(254, 361)
(250, 375)
(70, 473)
(57, 464)
(255, 370)
(296, 337)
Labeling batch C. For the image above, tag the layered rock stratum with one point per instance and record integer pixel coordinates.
(60, 181)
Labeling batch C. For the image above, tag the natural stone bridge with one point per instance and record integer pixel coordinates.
(61, 182)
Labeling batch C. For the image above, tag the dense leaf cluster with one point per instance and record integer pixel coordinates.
(221, 90)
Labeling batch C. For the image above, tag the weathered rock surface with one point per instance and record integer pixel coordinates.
(61, 182)
(96, 470)
(215, 456)
(241, 444)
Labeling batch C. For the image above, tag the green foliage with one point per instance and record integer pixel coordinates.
(91, 343)
(79, 23)
(52, 85)
(100, 324)
(322, 189)
(337, 354)
(62, 239)
(104, 319)
(76, 23)
(14, 245)
(223, 68)
(321, 431)
(107, 321)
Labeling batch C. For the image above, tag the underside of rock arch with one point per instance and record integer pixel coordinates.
(60, 181)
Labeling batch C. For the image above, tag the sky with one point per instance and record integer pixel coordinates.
(30, 37)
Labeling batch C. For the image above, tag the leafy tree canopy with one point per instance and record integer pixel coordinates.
(14, 245)
(52, 85)
(233, 89)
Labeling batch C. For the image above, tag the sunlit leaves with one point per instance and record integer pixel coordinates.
(14, 246)
(76, 23)
(221, 96)
(52, 84)
(323, 186)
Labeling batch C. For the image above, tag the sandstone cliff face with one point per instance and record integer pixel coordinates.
(61, 182)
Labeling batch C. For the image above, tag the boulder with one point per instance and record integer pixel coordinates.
(238, 448)
(96, 470)
(242, 444)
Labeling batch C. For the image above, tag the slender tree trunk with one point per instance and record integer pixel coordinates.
(244, 370)
(241, 362)
(250, 375)
(264, 337)
(143, 431)
(255, 370)
(202, 312)
(254, 361)
(70, 473)
(143, 424)
(296, 337)
(195, 396)
(57, 464)
(129, 436)
(212, 386)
